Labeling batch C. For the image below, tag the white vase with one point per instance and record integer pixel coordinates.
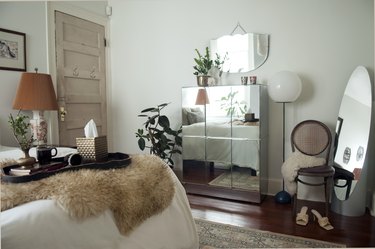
(216, 74)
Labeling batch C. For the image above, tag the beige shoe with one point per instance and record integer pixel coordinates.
(302, 217)
(323, 221)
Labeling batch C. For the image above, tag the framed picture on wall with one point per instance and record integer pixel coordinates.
(12, 50)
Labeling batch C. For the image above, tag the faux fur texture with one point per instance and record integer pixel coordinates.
(7, 162)
(133, 193)
(291, 165)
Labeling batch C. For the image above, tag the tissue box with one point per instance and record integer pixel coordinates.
(92, 148)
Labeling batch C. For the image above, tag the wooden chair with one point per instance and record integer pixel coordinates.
(313, 138)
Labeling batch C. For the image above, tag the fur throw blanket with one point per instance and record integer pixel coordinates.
(133, 193)
(291, 165)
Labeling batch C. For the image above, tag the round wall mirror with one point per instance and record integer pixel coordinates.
(243, 52)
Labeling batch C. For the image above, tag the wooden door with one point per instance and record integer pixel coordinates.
(81, 85)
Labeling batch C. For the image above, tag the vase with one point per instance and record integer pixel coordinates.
(216, 74)
(27, 160)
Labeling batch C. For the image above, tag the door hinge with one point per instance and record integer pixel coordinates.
(105, 42)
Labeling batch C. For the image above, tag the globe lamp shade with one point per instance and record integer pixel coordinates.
(284, 87)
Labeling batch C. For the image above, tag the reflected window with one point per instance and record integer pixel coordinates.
(244, 52)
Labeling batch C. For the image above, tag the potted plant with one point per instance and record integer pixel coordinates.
(20, 127)
(205, 65)
(202, 67)
(162, 140)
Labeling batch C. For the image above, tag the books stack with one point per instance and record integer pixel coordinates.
(37, 168)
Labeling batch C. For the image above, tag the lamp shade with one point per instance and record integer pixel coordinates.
(35, 92)
(202, 97)
(284, 87)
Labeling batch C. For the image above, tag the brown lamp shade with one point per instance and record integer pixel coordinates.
(202, 97)
(35, 92)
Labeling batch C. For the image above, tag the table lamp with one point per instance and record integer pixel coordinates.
(35, 92)
(284, 87)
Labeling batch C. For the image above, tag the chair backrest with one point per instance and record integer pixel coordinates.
(311, 137)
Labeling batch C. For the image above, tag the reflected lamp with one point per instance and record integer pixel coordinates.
(35, 92)
(202, 97)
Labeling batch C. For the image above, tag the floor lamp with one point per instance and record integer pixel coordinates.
(284, 87)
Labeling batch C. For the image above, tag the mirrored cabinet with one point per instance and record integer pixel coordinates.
(224, 141)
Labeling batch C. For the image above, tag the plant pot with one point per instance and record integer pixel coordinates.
(205, 80)
(26, 161)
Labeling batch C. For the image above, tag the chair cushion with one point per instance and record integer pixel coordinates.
(318, 171)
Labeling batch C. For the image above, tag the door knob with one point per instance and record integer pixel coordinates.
(63, 112)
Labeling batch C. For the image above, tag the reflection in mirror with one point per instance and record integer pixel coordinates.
(217, 139)
(244, 52)
(352, 133)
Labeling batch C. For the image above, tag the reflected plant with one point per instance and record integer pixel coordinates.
(219, 62)
(232, 106)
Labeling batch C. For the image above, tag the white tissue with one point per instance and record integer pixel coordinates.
(90, 129)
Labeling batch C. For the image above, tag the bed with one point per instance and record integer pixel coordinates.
(222, 143)
(44, 224)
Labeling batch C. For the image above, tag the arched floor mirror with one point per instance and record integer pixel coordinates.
(351, 142)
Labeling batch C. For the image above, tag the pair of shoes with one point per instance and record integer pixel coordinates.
(302, 217)
(323, 221)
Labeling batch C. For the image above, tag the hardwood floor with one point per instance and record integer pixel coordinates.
(275, 217)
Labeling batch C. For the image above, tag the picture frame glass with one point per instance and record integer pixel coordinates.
(12, 50)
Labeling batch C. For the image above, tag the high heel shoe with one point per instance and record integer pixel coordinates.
(323, 221)
(302, 217)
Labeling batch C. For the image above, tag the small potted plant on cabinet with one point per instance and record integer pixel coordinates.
(205, 67)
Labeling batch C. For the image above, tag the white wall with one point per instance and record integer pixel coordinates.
(30, 17)
(32, 23)
(153, 46)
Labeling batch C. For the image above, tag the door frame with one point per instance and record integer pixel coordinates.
(53, 135)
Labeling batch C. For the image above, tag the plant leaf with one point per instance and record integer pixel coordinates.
(141, 143)
(164, 121)
(148, 109)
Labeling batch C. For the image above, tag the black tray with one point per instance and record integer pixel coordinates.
(115, 160)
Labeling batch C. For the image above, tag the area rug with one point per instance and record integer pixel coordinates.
(237, 179)
(216, 235)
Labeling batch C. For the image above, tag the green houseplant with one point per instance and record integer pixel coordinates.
(20, 126)
(204, 66)
(203, 63)
(158, 136)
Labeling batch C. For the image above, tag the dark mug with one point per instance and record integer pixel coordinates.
(45, 154)
(73, 159)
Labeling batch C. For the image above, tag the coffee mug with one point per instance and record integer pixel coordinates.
(73, 159)
(45, 154)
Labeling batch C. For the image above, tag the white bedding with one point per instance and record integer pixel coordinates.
(42, 224)
(15, 153)
(226, 144)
